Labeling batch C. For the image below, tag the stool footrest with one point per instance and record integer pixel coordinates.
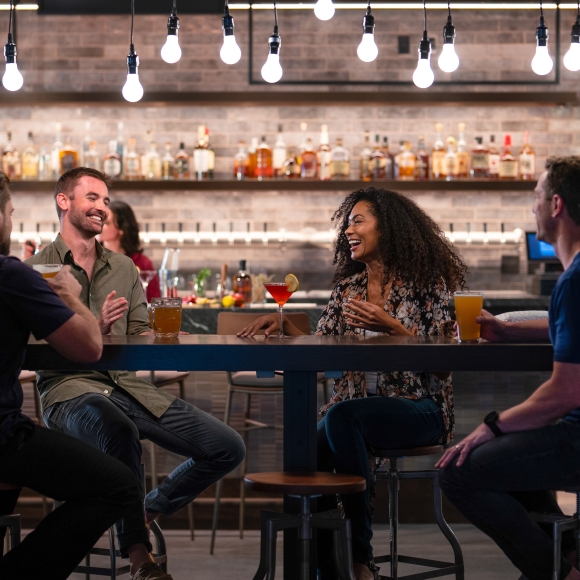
(425, 575)
(416, 561)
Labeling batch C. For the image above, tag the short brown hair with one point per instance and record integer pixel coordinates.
(4, 191)
(68, 181)
(564, 179)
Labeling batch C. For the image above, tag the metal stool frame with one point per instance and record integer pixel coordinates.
(12, 522)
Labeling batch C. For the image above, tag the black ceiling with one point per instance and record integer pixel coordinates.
(124, 6)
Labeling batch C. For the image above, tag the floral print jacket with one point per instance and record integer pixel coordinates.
(420, 310)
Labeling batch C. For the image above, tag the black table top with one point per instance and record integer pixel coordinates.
(306, 353)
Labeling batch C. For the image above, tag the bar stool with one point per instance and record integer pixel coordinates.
(393, 476)
(12, 522)
(304, 486)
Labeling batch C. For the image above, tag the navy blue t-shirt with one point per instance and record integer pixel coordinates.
(565, 321)
(27, 304)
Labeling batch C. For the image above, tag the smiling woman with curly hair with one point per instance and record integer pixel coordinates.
(395, 274)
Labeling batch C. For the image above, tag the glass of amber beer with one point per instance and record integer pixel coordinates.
(468, 307)
(166, 316)
(48, 270)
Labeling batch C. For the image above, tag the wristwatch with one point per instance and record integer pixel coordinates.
(491, 421)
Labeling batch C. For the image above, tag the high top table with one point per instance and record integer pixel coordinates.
(300, 358)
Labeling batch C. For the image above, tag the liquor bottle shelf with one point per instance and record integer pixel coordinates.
(269, 98)
(301, 185)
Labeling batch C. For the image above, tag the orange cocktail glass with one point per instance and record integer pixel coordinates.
(280, 293)
(468, 307)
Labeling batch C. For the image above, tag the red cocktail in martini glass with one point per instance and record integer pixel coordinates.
(281, 293)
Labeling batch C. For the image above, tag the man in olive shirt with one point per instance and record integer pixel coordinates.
(113, 410)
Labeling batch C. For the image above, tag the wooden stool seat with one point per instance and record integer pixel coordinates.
(304, 484)
(411, 452)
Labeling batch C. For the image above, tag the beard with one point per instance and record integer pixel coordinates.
(5, 246)
(84, 224)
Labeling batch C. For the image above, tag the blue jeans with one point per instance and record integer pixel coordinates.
(116, 424)
(344, 436)
(508, 477)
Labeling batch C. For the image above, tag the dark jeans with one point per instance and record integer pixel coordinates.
(507, 477)
(345, 434)
(96, 489)
(115, 425)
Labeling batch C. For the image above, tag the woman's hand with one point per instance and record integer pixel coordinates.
(371, 317)
(478, 437)
(271, 322)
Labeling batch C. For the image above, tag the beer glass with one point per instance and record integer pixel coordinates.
(48, 270)
(468, 307)
(166, 317)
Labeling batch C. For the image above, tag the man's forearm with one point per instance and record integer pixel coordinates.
(527, 331)
(75, 304)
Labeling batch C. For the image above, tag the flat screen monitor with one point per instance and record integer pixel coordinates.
(539, 251)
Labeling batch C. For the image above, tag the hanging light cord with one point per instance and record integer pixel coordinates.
(175, 5)
(449, 8)
(425, 16)
(10, 23)
(275, 18)
(541, 11)
(132, 18)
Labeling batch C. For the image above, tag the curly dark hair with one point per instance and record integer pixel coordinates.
(564, 179)
(127, 223)
(412, 246)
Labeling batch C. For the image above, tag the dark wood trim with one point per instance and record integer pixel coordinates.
(298, 185)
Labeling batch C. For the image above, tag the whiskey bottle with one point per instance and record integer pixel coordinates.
(181, 163)
(241, 162)
(291, 167)
(450, 165)
(152, 163)
(365, 158)
(55, 153)
(438, 153)
(69, 157)
(508, 164)
(167, 164)
(462, 154)
(323, 154)
(479, 160)
(406, 163)
(421, 161)
(308, 165)
(121, 149)
(398, 157)
(112, 162)
(279, 154)
(132, 162)
(494, 158)
(29, 160)
(263, 161)
(11, 160)
(86, 144)
(92, 160)
(210, 155)
(242, 283)
(303, 127)
(390, 159)
(527, 159)
(200, 155)
(252, 157)
(378, 161)
(339, 161)
(45, 172)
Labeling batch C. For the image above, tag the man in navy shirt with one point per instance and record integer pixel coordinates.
(96, 488)
(506, 467)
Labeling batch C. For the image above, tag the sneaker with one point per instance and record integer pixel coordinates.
(151, 571)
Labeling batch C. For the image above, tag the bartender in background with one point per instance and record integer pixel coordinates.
(121, 234)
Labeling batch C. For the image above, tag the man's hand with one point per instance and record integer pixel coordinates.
(478, 437)
(65, 284)
(111, 312)
(371, 317)
(492, 328)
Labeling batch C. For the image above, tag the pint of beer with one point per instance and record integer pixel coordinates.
(48, 270)
(468, 307)
(166, 317)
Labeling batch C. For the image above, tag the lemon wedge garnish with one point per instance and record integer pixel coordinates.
(291, 282)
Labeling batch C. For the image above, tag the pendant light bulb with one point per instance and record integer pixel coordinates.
(324, 9)
(272, 71)
(171, 51)
(367, 50)
(132, 90)
(12, 79)
(572, 57)
(448, 60)
(423, 76)
(230, 52)
(542, 63)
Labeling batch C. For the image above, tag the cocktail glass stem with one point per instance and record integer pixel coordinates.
(281, 331)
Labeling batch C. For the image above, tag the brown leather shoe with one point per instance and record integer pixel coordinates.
(365, 572)
(151, 571)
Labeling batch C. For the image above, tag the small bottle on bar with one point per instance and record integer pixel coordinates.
(132, 162)
(479, 160)
(112, 162)
(241, 162)
(92, 159)
(339, 161)
(438, 153)
(508, 164)
(323, 154)
(494, 158)
(30, 160)
(167, 163)
(421, 161)
(279, 154)
(242, 283)
(390, 159)
(308, 164)
(450, 168)
(181, 163)
(263, 160)
(378, 162)
(365, 157)
(527, 159)
(462, 154)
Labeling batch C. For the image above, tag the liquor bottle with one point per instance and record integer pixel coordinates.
(390, 159)
(527, 159)
(132, 162)
(45, 171)
(92, 160)
(263, 160)
(210, 155)
(450, 166)
(406, 162)
(143, 158)
(252, 158)
(200, 155)
(323, 154)
(378, 161)
(55, 153)
(462, 154)
(308, 165)
(11, 160)
(279, 154)
(438, 153)
(167, 164)
(398, 158)
(339, 161)
(303, 127)
(421, 161)
(365, 158)
(242, 283)
(479, 160)
(181, 163)
(121, 149)
(86, 144)
(112, 161)
(508, 164)
(494, 158)
(69, 157)
(291, 167)
(241, 162)
(152, 163)
(29, 160)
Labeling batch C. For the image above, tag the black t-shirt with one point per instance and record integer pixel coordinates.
(27, 304)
